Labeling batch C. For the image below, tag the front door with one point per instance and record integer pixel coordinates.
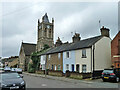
(77, 68)
(72, 67)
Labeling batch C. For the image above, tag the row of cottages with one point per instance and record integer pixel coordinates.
(115, 51)
(24, 55)
(88, 55)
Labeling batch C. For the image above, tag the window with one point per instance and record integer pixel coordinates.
(58, 67)
(59, 54)
(55, 67)
(67, 66)
(49, 66)
(45, 32)
(67, 55)
(52, 67)
(49, 33)
(118, 65)
(84, 68)
(49, 56)
(84, 53)
(77, 68)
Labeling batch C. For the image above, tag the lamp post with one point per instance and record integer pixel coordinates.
(45, 66)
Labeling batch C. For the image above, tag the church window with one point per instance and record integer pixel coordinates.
(49, 33)
(45, 33)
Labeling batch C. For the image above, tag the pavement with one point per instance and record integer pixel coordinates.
(97, 83)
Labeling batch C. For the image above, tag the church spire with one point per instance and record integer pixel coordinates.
(45, 18)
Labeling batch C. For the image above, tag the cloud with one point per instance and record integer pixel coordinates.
(20, 21)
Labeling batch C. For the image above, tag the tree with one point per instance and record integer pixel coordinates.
(34, 66)
(46, 46)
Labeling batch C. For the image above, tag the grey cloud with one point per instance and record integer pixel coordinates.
(82, 18)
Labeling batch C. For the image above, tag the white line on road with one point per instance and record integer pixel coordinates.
(43, 85)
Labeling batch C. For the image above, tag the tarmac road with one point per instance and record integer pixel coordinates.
(41, 82)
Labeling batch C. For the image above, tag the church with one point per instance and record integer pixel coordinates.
(45, 33)
(45, 37)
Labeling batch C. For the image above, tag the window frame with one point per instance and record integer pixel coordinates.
(67, 54)
(49, 56)
(84, 52)
(67, 66)
(84, 69)
(59, 55)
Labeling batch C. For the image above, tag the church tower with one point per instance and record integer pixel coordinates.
(45, 33)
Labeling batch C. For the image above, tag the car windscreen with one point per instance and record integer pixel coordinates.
(108, 71)
(10, 76)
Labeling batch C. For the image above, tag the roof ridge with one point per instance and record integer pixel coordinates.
(91, 38)
(29, 43)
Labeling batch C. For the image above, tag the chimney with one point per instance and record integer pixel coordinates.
(58, 42)
(76, 37)
(104, 31)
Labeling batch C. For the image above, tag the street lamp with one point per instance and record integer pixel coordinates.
(45, 65)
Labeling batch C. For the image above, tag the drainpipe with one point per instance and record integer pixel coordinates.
(91, 58)
(45, 65)
(93, 61)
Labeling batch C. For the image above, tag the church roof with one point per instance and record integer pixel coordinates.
(29, 48)
(86, 43)
(45, 18)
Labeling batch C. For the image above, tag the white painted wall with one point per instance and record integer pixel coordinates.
(103, 53)
(79, 60)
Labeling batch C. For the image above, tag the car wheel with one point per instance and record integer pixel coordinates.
(117, 79)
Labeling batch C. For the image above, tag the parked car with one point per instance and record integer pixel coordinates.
(111, 75)
(18, 70)
(13, 69)
(7, 69)
(12, 80)
(1, 69)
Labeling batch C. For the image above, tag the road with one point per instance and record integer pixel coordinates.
(39, 82)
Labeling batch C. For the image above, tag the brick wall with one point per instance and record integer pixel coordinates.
(115, 51)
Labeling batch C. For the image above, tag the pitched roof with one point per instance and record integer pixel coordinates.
(73, 46)
(29, 48)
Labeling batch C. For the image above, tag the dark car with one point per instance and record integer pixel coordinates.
(111, 75)
(12, 80)
(18, 70)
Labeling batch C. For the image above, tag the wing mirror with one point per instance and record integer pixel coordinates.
(21, 76)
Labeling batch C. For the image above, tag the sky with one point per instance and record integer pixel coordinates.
(19, 21)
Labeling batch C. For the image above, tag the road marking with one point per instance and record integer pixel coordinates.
(43, 85)
(87, 82)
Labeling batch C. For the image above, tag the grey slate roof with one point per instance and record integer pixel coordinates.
(86, 43)
(29, 48)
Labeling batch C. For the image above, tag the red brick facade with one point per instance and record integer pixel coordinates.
(115, 51)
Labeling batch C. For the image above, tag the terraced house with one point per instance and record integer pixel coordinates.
(88, 55)
(54, 56)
